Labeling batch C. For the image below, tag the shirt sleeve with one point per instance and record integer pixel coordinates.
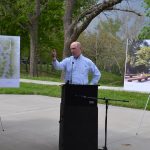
(95, 74)
(60, 65)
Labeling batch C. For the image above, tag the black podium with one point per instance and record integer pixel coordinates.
(78, 118)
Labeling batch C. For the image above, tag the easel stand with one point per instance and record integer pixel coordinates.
(142, 117)
(106, 114)
(1, 124)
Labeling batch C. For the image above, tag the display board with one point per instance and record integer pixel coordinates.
(137, 66)
(9, 61)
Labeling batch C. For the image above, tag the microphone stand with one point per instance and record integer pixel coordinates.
(106, 116)
(106, 113)
(71, 72)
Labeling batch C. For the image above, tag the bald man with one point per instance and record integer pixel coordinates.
(77, 67)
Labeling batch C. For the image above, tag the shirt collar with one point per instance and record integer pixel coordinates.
(77, 57)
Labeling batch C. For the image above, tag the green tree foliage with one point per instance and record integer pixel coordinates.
(82, 5)
(14, 20)
(138, 57)
(145, 32)
(147, 7)
(105, 47)
(133, 47)
(51, 30)
(143, 57)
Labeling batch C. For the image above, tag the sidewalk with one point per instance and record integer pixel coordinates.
(31, 123)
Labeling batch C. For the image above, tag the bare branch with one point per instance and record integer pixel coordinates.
(106, 15)
(125, 10)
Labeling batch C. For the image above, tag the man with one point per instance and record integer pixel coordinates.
(77, 67)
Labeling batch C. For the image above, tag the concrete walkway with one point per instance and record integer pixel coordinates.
(31, 123)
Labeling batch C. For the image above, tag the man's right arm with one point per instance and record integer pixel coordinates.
(58, 65)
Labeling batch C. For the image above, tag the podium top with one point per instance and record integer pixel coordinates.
(87, 85)
(77, 95)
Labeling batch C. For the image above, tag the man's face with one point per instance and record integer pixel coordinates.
(75, 49)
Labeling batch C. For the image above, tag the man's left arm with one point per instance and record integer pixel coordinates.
(95, 74)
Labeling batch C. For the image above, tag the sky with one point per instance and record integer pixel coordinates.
(136, 5)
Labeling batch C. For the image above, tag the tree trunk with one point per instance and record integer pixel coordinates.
(33, 31)
(67, 23)
(33, 51)
(26, 67)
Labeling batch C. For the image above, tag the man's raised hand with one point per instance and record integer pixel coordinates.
(54, 54)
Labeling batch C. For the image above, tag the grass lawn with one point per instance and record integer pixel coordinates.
(136, 100)
(43, 78)
(111, 79)
(107, 78)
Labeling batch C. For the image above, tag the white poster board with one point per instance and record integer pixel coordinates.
(9, 61)
(137, 67)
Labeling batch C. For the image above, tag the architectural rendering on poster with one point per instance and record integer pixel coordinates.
(137, 66)
(9, 61)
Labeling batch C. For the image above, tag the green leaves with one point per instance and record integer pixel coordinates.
(14, 20)
(147, 7)
(105, 47)
(145, 32)
(143, 57)
(81, 5)
(51, 29)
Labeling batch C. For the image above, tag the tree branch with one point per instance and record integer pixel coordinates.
(86, 17)
(125, 10)
(81, 23)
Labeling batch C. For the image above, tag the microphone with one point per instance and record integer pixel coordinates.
(71, 72)
(85, 97)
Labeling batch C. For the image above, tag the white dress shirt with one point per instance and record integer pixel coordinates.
(77, 70)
